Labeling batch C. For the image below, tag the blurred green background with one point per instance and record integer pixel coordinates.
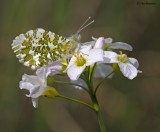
(128, 106)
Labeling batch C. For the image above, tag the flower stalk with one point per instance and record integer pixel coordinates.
(102, 82)
(73, 84)
(77, 101)
(94, 99)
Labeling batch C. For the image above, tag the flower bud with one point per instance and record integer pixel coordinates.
(99, 43)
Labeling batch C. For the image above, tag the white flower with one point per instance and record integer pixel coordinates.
(101, 70)
(128, 66)
(37, 85)
(108, 45)
(85, 57)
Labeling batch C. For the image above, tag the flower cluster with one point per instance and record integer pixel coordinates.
(48, 54)
(100, 52)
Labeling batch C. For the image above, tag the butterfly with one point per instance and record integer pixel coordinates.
(38, 47)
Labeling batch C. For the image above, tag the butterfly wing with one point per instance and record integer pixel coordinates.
(38, 47)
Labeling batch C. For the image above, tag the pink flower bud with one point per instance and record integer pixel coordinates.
(99, 43)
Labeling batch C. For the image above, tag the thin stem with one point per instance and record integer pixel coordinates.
(88, 73)
(102, 81)
(89, 82)
(83, 77)
(77, 101)
(98, 113)
(69, 83)
(92, 73)
(100, 120)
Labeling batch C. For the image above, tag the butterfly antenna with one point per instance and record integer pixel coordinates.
(84, 25)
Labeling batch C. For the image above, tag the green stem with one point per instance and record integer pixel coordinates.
(98, 113)
(100, 120)
(77, 101)
(102, 81)
(89, 82)
(92, 73)
(68, 83)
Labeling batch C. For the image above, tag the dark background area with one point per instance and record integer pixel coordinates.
(127, 106)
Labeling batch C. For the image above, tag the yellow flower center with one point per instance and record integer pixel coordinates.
(122, 57)
(80, 60)
(106, 46)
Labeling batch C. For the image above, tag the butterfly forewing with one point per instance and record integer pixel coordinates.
(38, 47)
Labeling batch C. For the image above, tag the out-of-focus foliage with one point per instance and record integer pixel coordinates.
(128, 106)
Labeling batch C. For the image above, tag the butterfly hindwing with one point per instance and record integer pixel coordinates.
(38, 47)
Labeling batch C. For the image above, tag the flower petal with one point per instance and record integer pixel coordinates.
(85, 49)
(30, 78)
(92, 43)
(25, 85)
(36, 91)
(54, 68)
(133, 61)
(95, 55)
(102, 70)
(110, 57)
(108, 40)
(41, 72)
(74, 71)
(120, 45)
(72, 61)
(128, 70)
